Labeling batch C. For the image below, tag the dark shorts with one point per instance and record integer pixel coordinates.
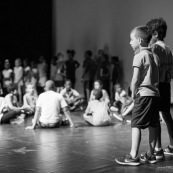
(145, 112)
(59, 83)
(165, 96)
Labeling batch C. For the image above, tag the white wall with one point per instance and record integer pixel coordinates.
(95, 24)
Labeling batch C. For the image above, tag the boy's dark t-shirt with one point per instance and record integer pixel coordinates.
(71, 66)
(89, 69)
(166, 61)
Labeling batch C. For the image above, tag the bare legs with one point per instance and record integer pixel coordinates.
(136, 139)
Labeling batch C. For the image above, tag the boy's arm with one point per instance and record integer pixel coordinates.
(68, 116)
(36, 116)
(25, 100)
(134, 83)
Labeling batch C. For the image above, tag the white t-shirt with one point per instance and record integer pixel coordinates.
(99, 111)
(7, 75)
(50, 103)
(18, 73)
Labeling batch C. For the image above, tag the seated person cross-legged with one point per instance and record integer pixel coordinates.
(97, 112)
(9, 110)
(30, 99)
(48, 109)
(71, 96)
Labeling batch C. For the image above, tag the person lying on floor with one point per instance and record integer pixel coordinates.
(71, 96)
(97, 110)
(48, 109)
(8, 106)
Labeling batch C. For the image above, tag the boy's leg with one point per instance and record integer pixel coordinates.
(158, 140)
(152, 140)
(149, 157)
(8, 116)
(136, 139)
(169, 123)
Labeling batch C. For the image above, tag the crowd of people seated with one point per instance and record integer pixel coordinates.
(22, 85)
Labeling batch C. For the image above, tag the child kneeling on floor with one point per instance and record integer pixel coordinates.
(97, 110)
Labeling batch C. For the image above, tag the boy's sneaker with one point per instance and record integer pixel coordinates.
(168, 151)
(159, 154)
(128, 160)
(118, 116)
(148, 159)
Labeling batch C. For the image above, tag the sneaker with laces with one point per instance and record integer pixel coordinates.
(128, 160)
(159, 154)
(148, 159)
(168, 150)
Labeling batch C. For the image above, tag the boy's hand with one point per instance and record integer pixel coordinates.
(30, 128)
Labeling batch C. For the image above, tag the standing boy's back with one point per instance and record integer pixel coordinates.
(145, 95)
(158, 28)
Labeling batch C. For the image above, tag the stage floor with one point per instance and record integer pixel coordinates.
(66, 150)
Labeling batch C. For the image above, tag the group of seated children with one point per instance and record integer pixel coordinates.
(9, 108)
(97, 113)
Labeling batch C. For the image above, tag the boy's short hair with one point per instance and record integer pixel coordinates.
(159, 25)
(98, 94)
(11, 87)
(143, 33)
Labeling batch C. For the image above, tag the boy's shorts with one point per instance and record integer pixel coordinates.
(145, 112)
(165, 96)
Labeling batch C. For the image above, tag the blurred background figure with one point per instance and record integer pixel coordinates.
(71, 66)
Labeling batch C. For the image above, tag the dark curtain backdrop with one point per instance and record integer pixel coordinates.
(25, 29)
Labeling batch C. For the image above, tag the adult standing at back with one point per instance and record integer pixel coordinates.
(71, 66)
(48, 108)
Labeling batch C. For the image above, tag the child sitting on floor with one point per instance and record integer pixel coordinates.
(9, 107)
(71, 96)
(122, 105)
(30, 99)
(98, 85)
(97, 110)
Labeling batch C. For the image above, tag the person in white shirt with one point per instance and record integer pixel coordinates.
(18, 77)
(48, 108)
(97, 112)
(71, 96)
